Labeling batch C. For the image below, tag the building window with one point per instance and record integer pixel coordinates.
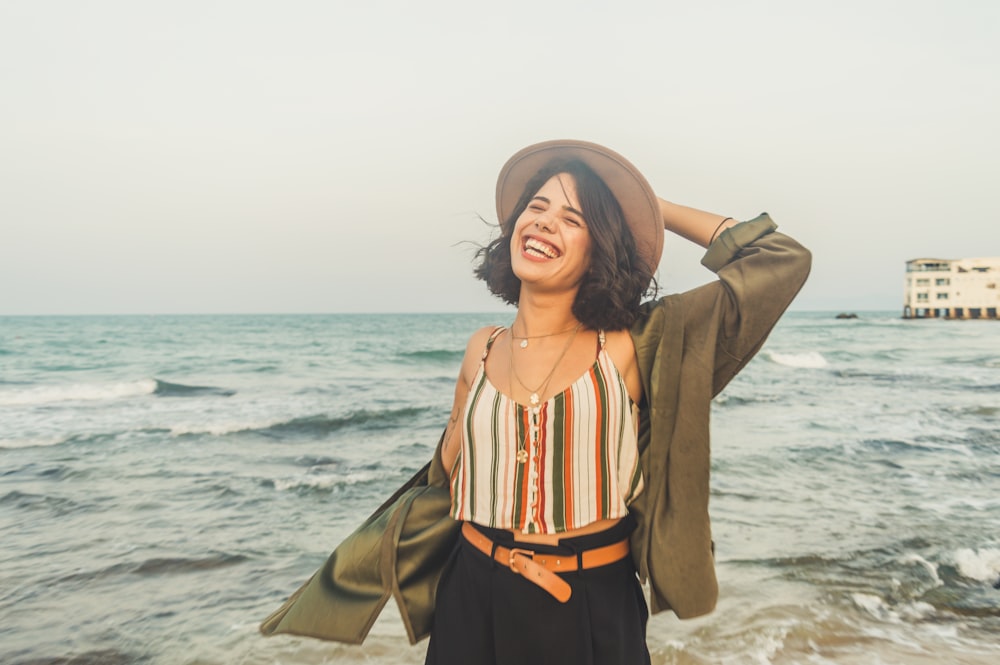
(942, 296)
(923, 281)
(922, 297)
(942, 281)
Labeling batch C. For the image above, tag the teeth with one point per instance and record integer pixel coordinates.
(541, 248)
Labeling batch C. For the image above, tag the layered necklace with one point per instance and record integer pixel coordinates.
(533, 398)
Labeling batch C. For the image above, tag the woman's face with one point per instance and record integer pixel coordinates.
(550, 246)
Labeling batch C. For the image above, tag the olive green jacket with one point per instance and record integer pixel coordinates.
(688, 348)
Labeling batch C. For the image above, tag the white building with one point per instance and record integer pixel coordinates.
(952, 288)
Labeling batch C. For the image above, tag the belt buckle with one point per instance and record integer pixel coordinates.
(514, 552)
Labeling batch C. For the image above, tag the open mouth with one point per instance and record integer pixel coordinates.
(542, 250)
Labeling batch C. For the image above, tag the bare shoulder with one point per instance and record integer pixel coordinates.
(477, 342)
(620, 348)
(474, 351)
(479, 338)
(622, 351)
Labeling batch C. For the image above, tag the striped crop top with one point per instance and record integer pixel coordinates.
(565, 463)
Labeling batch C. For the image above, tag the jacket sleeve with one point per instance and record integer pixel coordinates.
(760, 272)
(688, 346)
(397, 552)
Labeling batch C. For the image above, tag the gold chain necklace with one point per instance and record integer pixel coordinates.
(533, 394)
(524, 340)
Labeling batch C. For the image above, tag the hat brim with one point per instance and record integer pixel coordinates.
(636, 198)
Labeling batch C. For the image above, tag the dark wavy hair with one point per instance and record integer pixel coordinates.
(616, 279)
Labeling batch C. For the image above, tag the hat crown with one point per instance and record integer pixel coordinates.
(636, 198)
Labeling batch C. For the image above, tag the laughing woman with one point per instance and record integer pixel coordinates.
(575, 464)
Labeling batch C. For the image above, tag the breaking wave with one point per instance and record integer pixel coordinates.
(307, 426)
(83, 392)
(806, 360)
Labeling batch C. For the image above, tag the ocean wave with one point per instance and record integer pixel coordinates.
(725, 399)
(106, 391)
(11, 444)
(77, 392)
(167, 389)
(316, 425)
(878, 377)
(931, 568)
(322, 460)
(158, 566)
(893, 613)
(991, 362)
(164, 566)
(435, 355)
(27, 501)
(220, 428)
(983, 411)
(919, 445)
(805, 360)
(908, 581)
(323, 424)
(324, 483)
(993, 389)
(980, 565)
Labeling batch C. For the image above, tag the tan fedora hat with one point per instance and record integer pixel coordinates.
(636, 198)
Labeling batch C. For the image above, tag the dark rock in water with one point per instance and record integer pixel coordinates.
(996, 585)
(846, 315)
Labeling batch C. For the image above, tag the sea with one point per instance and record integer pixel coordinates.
(167, 481)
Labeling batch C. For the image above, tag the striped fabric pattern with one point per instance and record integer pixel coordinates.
(583, 462)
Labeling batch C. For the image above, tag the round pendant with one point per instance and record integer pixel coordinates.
(524, 343)
(522, 456)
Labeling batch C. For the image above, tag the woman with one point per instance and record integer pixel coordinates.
(575, 461)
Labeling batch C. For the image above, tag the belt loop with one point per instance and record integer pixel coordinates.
(493, 554)
(577, 552)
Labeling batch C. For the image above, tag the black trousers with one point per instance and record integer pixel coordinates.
(486, 614)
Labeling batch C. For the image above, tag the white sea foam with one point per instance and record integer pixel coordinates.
(75, 392)
(30, 443)
(931, 568)
(323, 482)
(872, 604)
(879, 609)
(221, 428)
(807, 360)
(764, 647)
(982, 565)
(916, 610)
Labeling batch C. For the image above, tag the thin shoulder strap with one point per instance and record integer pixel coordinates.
(489, 343)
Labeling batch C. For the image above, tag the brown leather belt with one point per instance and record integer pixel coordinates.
(541, 569)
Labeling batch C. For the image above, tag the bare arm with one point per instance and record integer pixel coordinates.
(698, 226)
(452, 433)
(470, 365)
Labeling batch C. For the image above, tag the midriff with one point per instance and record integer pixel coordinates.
(554, 538)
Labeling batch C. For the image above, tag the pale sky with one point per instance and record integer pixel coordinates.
(328, 156)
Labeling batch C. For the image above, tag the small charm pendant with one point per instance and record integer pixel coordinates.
(534, 399)
(524, 343)
(522, 456)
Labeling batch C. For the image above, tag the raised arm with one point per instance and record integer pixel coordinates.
(698, 226)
